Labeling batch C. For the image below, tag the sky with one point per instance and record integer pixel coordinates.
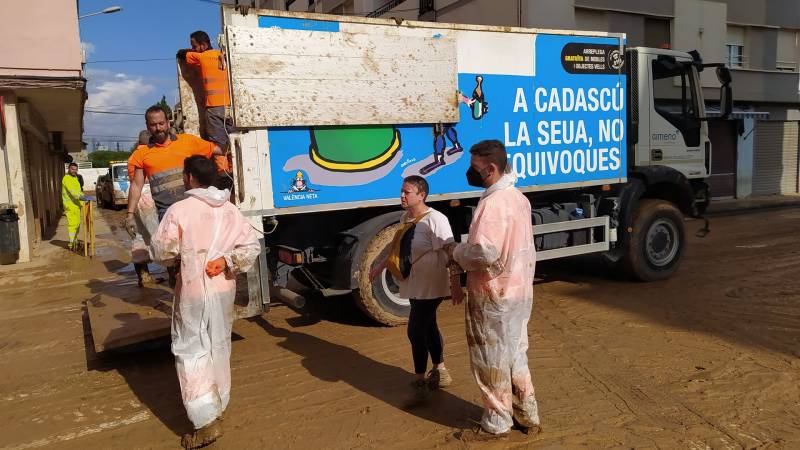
(144, 29)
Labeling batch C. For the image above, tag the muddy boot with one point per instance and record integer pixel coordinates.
(203, 436)
(172, 271)
(143, 275)
(478, 434)
(529, 431)
(421, 394)
(439, 378)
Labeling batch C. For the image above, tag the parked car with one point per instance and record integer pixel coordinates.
(112, 188)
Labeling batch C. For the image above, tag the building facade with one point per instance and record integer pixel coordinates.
(42, 94)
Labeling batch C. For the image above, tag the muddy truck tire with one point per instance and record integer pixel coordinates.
(656, 242)
(380, 299)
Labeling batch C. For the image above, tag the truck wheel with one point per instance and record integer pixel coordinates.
(380, 299)
(656, 242)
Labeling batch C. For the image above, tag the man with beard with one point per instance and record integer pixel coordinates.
(160, 161)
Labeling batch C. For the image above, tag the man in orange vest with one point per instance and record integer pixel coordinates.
(214, 74)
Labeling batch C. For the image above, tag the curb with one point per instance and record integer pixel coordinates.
(734, 208)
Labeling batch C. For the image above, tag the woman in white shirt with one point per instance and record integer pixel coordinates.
(426, 286)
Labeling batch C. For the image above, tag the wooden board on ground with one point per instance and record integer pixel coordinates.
(129, 315)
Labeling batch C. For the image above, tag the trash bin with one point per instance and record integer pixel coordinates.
(9, 235)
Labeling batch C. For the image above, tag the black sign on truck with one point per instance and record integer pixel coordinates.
(591, 58)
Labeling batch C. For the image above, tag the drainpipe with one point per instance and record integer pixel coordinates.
(519, 13)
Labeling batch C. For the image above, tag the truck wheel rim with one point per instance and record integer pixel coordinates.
(392, 290)
(662, 242)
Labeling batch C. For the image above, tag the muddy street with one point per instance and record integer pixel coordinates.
(707, 359)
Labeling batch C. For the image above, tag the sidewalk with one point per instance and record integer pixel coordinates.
(753, 203)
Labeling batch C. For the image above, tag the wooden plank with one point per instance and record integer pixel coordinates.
(130, 315)
(361, 92)
(276, 41)
(192, 99)
(309, 78)
(293, 67)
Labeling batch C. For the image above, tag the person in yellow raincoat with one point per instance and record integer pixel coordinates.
(72, 196)
(499, 257)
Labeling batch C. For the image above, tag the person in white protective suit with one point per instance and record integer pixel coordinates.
(213, 242)
(499, 258)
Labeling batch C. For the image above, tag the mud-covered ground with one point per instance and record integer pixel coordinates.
(707, 359)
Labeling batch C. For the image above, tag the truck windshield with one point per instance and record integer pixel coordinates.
(120, 173)
(674, 97)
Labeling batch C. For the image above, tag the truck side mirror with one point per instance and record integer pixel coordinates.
(723, 75)
(725, 92)
(725, 101)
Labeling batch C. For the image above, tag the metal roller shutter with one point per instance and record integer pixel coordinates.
(775, 158)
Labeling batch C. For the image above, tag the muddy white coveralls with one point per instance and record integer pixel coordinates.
(198, 229)
(500, 259)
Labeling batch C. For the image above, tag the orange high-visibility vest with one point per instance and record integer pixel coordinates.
(214, 74)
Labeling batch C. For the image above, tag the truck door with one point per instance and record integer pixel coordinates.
(677, 138)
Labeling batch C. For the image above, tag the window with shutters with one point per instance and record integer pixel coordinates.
(787, 51)
(734, 48)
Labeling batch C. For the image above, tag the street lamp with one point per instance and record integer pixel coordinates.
(109, 10)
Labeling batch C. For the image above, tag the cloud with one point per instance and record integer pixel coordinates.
(119, 93)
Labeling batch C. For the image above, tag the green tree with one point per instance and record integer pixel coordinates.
(163, 103)
(101, 159)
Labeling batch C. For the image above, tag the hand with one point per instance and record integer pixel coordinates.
(130, 225)
(182, 54)
(216, 267)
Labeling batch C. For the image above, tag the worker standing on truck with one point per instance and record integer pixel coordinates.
(499, 258)
(214, 242)
(214, 74)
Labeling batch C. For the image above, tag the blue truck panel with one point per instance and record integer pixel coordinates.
(562, 125)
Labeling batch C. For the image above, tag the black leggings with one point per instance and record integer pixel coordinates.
(423, 332)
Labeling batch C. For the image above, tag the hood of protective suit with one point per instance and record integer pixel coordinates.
(210, 195)
(506, 181)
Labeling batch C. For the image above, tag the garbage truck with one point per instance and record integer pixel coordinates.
(609, 143)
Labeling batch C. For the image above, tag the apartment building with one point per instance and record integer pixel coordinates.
(42, 93)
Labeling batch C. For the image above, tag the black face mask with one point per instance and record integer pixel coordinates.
(474, 177)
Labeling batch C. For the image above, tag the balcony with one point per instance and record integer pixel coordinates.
(751, 85)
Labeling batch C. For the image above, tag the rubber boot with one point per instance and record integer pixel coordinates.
(143, 275)
(203, 436)
(173, 276)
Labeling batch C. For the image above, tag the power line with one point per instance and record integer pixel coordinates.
(108, 136)
(115, 112)
(128, 60)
